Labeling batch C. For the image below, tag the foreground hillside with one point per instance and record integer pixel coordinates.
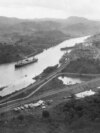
(73, 116)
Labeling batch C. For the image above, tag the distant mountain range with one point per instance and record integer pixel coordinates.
(73, 26)
(21, 37)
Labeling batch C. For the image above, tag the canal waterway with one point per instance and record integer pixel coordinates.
(16, 79)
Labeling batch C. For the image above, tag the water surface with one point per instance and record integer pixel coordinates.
(16, 79)
(69, 81)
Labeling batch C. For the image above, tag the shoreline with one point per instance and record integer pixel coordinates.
(37, 51)
(13, 61)
(70, 75)
(30, 55)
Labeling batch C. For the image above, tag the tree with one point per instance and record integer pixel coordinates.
(21, 117)
(45, 114)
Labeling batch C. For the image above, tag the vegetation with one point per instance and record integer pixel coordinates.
(48, 70)
(85, 108)
(79, 116)
(9, 53)
(20, 117)
(51, 85)
(95, 40)
(27, 45)
(83, 65)
(45, 114)
(20, 38)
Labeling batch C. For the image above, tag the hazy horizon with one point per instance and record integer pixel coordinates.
(59, 9)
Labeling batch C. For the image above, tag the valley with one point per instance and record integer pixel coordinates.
(66, 50)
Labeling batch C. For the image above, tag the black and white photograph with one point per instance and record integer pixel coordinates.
(49, 66)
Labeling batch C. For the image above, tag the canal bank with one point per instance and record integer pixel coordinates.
(16, 79)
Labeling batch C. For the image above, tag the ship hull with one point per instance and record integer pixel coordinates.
(26, 63)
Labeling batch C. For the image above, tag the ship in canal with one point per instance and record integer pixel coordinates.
(25, 62)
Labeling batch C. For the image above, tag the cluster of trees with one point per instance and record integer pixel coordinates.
(20, 46)
(9, 53)
(83, 65)
(88, 108)
(50, 69)
(95, 40)
(45, 114)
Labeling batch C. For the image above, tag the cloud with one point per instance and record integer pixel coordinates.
(55, 4)
(85, 8)
(28, 12)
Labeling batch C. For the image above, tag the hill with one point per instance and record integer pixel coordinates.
(95, 40)
(76, 26)
(36, 35)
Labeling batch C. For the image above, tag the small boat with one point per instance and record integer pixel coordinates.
(25, 62)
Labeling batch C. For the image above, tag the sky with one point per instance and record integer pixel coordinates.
(50, 8)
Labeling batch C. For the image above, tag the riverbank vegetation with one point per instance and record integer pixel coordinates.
(29, 45)
(84, 59)
(83, 65)
(20, 38)
(95, 40)
(46, 72)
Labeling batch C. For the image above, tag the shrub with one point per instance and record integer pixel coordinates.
(21, 117)
(45, 114)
